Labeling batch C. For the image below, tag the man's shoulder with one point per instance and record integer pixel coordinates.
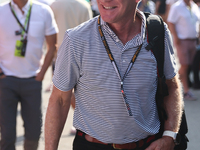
(4, 5)
(40, 6)
(86, 28)
(41, 10)
(178, 4)
(195, 6)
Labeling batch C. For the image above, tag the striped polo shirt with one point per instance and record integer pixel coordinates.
(101, 112)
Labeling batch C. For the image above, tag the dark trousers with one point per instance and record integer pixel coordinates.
(195, 67)
(27, 92)
(80, 143)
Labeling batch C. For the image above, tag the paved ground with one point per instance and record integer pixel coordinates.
(192, 109)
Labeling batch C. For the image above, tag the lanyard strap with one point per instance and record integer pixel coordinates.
(115, 65)
(26, 21)
(111, 56)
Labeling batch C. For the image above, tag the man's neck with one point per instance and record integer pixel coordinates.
(126, 31)
(20, 3)
(187, 2)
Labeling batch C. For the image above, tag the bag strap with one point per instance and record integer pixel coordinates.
(156, 37)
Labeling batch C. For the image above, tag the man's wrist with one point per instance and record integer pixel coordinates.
(174, 135)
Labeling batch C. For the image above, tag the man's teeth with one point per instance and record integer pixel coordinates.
(108, 7)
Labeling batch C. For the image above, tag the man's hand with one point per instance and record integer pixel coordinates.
(173, 106)
(2, 75)
(51, 44)
(39, 76)
(164, 143)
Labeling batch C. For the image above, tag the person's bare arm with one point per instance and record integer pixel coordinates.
(57, 111)
(51, 50)
(174, 33)
(173, 106)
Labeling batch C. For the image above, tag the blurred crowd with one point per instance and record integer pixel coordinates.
(182, 17)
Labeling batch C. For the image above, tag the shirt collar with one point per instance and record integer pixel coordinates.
(24, 9)
(184, 4)
(143, 26)
(141, 36)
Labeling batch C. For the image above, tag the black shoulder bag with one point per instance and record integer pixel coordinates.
(156, 37)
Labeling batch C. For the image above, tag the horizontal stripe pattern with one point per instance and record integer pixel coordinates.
(83, 64)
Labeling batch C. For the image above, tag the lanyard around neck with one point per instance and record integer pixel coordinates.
(27, 18)
(115, 65)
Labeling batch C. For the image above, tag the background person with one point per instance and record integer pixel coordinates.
(161, 9)
(147, 6)
(169, 3)
(196, 69)
(196, 61)
(23, 26)
(183, 21)
(95, 8)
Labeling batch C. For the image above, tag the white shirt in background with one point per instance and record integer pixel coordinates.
(186, 19)
(42, 24)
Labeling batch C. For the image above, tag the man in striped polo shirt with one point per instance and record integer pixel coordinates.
(115, 97)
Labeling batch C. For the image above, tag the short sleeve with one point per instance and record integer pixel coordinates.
(170, 63)
(173, 14)
(50, 23)
(67, 71)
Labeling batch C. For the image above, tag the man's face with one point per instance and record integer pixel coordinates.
(115, 11)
